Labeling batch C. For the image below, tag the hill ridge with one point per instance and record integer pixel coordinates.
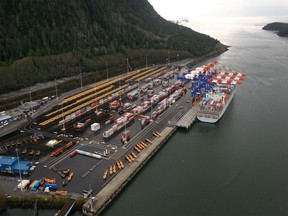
(49, 39)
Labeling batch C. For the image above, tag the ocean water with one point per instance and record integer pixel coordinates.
(237, 167)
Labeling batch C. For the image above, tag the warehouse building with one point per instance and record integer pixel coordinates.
(10, 165)
(30, 105)
(4, 119)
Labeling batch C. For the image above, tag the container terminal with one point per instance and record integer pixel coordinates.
(91, 143)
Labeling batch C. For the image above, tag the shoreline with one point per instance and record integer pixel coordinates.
(221, 49)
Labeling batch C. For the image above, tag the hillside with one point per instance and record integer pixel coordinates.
(46, 40)
(280, 28)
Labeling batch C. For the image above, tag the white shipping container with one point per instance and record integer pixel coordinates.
(23, 184)
(95, 127)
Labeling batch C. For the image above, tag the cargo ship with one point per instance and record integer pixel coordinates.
(213, 87)
(217, 98)
(215, 103)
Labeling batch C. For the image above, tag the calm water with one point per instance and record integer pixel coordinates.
(239, 166)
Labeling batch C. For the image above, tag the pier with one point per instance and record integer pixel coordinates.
(97, 204)
(188, 118)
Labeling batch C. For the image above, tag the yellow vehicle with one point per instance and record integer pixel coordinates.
(70, 176)
(105, 174)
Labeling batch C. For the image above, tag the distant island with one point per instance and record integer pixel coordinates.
(280, 28)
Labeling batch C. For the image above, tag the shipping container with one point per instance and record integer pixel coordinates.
(95, 127)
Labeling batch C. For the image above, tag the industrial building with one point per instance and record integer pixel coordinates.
(5, 119)
(31, 105)
(10, 165)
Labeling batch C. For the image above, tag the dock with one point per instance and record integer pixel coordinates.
(188, 118)
(97, 204)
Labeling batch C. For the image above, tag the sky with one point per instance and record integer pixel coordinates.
(172, 10)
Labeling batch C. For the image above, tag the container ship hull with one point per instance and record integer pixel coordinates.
(213, 117)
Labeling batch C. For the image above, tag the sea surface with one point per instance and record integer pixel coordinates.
(237, 167)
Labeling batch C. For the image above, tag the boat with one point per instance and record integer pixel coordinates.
(214, 86)
(215, 103)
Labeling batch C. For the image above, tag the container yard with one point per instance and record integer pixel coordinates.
(96, 134)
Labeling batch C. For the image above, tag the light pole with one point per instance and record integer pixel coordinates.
(18, 165)
(146, 60)
(64, 129)
(177, 59)
(169, 57)
(31, 105)
(56, 90)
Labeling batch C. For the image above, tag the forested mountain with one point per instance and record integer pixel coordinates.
(42, 40)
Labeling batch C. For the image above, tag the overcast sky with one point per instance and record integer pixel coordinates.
(220, 8)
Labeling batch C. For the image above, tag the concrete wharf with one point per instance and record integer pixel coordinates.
(187, 120)
(97, 204)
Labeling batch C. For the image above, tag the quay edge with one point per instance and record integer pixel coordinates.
(95, 205)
